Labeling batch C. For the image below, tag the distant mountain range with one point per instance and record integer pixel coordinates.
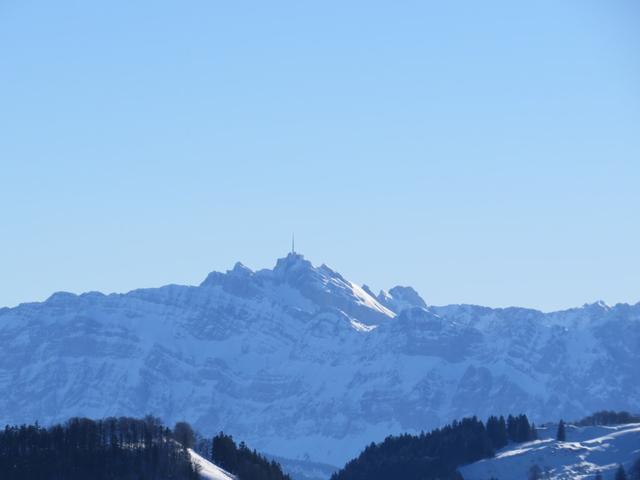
(304, 364)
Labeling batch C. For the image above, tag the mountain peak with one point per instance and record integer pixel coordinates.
(597, 305)
(321, 285)
(239, 269)
(399, 298)
(293, 261)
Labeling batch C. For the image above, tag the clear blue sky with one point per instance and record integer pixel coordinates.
(483, 152)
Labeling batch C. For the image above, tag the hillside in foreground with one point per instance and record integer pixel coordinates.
(605, 445)
(586, 452)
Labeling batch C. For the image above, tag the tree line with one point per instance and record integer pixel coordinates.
(439, 453)
(608, 417)
(238, 459)
(111, 449)
(243, 462)
(122, 448)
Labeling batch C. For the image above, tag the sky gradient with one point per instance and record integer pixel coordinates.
(482, 152)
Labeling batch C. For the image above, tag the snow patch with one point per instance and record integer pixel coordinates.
(208, 470)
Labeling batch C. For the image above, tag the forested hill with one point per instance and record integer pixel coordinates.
(110, 449)
(125, 448)
(437, 454)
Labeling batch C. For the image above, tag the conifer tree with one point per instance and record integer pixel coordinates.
(497, 432)
(512, 428)
(562, 434)
(535, 473)
(634, 472)
(620, 473)
(184, 434)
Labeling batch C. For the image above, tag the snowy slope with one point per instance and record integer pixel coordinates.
(301, 363)
(587, 451)
(208, 470)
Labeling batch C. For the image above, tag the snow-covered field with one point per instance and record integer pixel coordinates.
(208, 470)
(587, 451)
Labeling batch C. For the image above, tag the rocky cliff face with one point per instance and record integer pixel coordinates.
(301, 363)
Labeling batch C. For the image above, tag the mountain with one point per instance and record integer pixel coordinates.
(302, 363)
(587, 451)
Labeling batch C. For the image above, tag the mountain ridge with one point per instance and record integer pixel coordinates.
(303, 363)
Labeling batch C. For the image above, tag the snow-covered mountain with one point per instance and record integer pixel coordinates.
(587, 451)
(302, 363)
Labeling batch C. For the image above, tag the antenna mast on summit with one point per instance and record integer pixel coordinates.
(293, 243)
